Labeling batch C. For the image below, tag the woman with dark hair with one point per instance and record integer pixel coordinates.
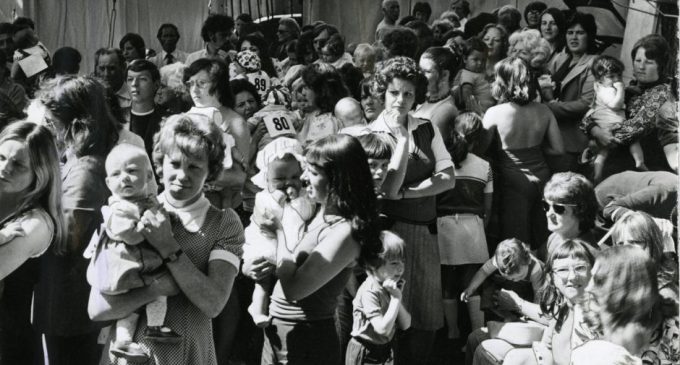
(553, 29)
(532, 14)
(133, 47)
(85, 132)
(521, 151)
(312, 274)
(321, 88)
(571, 207)
(440, 66)
(31, 221)
(424, 170)
(567, 272)
(257, 44)
(573, 95)
(287, 32)
(644, 97)
(371, 103)
(208, 83)
(246, 98)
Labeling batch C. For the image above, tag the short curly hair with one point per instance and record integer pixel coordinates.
(513, 82)
(531, 40)
(404, 68)
(194, 135)
(573, 188)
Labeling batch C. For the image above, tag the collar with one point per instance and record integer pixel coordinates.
(142, 113)
(192, 216)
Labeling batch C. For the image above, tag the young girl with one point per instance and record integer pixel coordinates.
(378, 310)
(515, 263)
(470, 82)
(123, 260)
(379, 151)
(608, 110)
(463, 213)
(279, 176)
(248, 66)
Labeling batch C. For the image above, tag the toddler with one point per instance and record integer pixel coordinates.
(608, 111)
(470, 84)
(378, 310)
(364, 58)
(379, 151)
(248, 66)
(348, 110)
(515, 264)
(123, 260)
(279, 176)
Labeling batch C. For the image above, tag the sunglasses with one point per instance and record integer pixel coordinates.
(558, 208)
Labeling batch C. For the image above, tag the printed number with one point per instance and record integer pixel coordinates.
(261, 84)
(280, 124)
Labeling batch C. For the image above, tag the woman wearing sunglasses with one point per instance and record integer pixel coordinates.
(570, 208)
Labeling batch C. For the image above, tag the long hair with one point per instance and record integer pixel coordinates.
(45, 191)
(350, 187)
(79, 103)
(552, 302)
(327, 84)
(219, 78)
(625, 286)
(263, 48)
(561, 23)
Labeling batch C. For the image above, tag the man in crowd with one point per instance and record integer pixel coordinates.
(168, 36)
(109, 65)
(216, 31)
(390, 10)
(6, 42)
(31, 58)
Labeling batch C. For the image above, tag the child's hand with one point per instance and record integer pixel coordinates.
(619, 85)
(393, 288)
(11, 231)
(292, 193)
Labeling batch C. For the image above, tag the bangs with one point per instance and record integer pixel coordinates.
(189, 145)
(575, 249)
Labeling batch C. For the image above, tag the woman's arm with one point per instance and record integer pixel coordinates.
(207, 292)
(36, 238)
(554, 136)
(335, 251)
(440, 182)
(444, 119)
(671, 151)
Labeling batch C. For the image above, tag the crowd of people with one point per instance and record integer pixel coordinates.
(477, 188)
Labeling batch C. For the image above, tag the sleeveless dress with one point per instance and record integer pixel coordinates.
(523, 173)
(197, 346)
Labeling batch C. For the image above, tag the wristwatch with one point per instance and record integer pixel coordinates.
(173, 256)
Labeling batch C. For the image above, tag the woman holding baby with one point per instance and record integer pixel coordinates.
(200, 246)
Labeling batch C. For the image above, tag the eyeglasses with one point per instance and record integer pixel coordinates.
(320, 42)
(281, 31)
(563, 272)
(558, 208)
(201, 84)
(640, 243)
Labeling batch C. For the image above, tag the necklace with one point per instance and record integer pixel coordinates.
(436, 100)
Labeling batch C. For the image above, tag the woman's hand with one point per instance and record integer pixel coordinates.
(260, 269)
(507, 300)
(158, 231)
(604, 137)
